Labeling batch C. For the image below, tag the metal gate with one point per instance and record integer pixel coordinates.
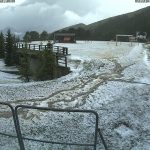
(21, 138)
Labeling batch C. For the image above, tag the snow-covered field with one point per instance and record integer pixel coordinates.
(112, 80)
(6, 77)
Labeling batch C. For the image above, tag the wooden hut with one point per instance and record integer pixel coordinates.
(64, 38)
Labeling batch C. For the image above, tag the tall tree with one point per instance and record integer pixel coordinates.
(34, 36)
(2, 45)
(24, 68)
(10, 49)
(48, 66)
(44, 36)
(27, 37)
(15, 55)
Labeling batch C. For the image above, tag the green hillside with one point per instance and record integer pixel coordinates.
(107, 29)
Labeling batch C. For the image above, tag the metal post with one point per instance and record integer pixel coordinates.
(20, 141)
(19, 131)
(96, 129)
(103, 141)
(57, 59)
(62, 50)
(57, 49)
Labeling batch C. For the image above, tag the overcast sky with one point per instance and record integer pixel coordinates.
(51, 15)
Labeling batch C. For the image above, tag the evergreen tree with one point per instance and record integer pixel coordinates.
(27, 37)
(9, 49)
(15, 55)
(24, 68)
(34, 36)
(2, 45)
(48, 66)
(44, 36)
(31, 36)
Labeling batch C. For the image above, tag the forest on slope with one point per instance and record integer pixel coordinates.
(106, 29)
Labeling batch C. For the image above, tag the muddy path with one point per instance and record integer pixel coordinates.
(84, 87)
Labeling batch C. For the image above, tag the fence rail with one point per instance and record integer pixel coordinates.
(20, 142)
(22, 138)
(60, 52)
(57, 49)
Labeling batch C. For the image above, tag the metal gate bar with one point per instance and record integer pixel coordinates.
(20, 141)
(21, 138)
(61, 110)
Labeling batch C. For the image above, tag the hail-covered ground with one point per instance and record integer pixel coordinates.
(112, 80)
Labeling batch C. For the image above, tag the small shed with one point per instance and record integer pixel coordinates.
(64, 38)
(123, 35)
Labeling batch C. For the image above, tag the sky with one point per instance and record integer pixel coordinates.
(51, 15)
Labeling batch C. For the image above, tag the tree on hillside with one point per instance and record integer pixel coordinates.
(34, 36)
(48, 66)
(27, 37)
(15, 55)
(71, 30)
(2, 45)
(9, 53)
(24, 68)
(44, 36)
(31, 36)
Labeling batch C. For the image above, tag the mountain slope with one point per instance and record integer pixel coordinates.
(122, 24)
(76, 26)
(106, 29)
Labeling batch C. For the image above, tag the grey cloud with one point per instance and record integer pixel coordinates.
(81, 7)
(47, 15)
(37, 16)
(51, 15)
